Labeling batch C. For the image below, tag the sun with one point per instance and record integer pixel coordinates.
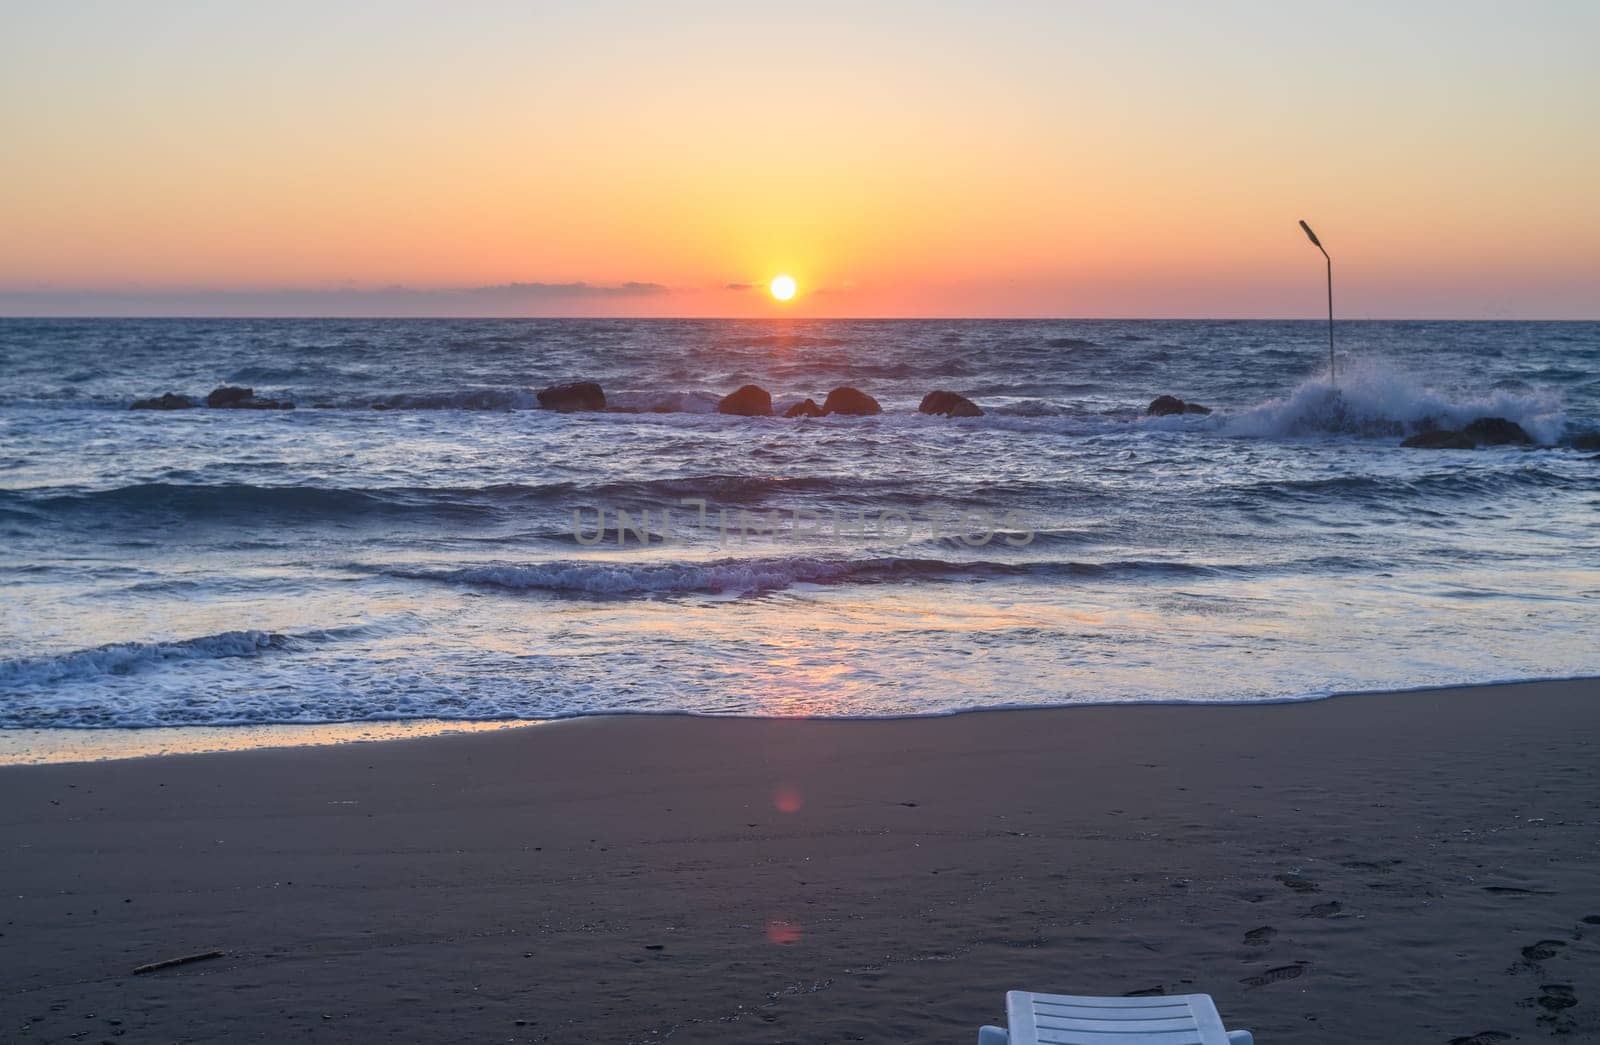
(783, 287)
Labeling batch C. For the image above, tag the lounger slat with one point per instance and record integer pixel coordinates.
(1158, 1001)
(1116, 1013)
(1143, 1026)
(1089, 1012)
(1182, 1037)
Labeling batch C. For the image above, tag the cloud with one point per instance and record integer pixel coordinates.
(559, 290)
(739, 286)
(499, 299)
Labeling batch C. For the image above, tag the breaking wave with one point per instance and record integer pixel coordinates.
(128, 658)
(125, 658)
(230, 501)
(1372, 399)
(757, 576)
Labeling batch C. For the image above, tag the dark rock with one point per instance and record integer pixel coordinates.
(1440, 441)
(847, 400)
(804, 408)
(232, 397)
(950, 404)
(579, 395)
(1163, 406)
(1497, 431)
(170, 401)
(1586, 441)
(229, 395)
(749, 401)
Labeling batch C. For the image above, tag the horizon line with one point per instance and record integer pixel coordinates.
(322, 317)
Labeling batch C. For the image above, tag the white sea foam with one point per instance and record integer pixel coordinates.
(615, 579)
(1373, 398)
(753, 575)
(125, 658)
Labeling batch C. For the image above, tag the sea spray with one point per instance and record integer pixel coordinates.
(1374, 398)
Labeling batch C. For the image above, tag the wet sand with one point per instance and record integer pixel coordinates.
(1410, 868)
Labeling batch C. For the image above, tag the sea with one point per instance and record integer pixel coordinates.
(418, 541)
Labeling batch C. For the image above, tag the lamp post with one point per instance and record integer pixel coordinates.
(1312, 236)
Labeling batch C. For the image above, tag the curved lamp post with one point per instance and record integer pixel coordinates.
(1312, 236)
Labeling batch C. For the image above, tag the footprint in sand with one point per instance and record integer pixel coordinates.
(1483, 1037)
(1324, 910)
(1556, 996)
(1260, 937)
(1544, 950)
(1278, 975)
(1554, 999)
(1297, 883)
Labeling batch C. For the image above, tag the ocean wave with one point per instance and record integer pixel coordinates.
(230, 501)
(1374, 399)
(125, 658)
(1406, 489)
(759, 576)
(128, 658)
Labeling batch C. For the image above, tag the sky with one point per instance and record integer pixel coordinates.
(897, 159)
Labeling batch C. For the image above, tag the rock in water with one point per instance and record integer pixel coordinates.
(170, 401)
(229, 395)
(950, 404)
(579, 395)
(1440, 441)
(1163, 406)
(749, 401)
(851, 401)
(804, 408)
(232, 397)
(1586, 441)
(1497, 431)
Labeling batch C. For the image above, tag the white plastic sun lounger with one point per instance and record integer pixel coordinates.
(1064, 1019)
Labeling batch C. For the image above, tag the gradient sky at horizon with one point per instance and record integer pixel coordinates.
(997, 159)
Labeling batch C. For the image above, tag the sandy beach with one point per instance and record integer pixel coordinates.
(1412, 868)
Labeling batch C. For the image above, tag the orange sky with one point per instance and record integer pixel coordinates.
(1002, 159)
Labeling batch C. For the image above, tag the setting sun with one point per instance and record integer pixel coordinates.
(783, 288)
